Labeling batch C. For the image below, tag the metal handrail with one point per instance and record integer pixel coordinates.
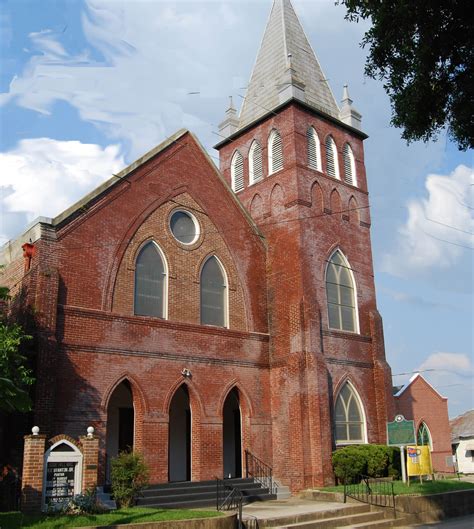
(373, 491)
(229, 498)
(259, 471)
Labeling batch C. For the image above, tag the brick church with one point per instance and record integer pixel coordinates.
(194, 313)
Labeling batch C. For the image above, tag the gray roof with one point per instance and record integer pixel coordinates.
(463, 425)
(285, 57)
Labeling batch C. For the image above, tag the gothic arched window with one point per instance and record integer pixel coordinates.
(314, 149)
(213, 293)
(349, 165)
(332, 163)
(349, 414)
(150, 282)
(255, 163)
(275, 152)
(423, 437)
(341, 296)
(237, 172)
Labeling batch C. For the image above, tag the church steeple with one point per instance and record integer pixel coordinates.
(286, 68)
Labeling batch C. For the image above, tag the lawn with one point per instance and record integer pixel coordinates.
(17, 520)
(427, 487)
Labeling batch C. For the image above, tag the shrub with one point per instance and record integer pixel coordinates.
(348, 463)
(371, 460)
(85, 503)
(129, 477)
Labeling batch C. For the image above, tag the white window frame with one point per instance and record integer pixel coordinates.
(233, 163)
(196, 225)
(226, 297)
(312, 131)
(430, 444)
(252, 179)
(333, 148)
(348, 152)
(165, 283)
(273, 134)
(356, 308)
(355, 393)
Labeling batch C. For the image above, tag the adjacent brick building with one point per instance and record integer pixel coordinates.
(418, 401)
(194, 313)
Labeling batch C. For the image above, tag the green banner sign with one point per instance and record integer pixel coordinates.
(401, 432)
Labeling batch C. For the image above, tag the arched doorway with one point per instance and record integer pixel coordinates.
(232, 436)
(179, 446)
(120, 422)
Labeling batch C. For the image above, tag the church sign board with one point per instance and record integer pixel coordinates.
(401, 432)
(62, 474)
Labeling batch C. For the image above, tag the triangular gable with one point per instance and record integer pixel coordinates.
(412, 380)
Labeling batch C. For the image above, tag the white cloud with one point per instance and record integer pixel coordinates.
(137, 67)
(452, 377)
(438, 227)
(43, 177)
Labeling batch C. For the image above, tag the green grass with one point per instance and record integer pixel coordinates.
(427, 487)
(17, 520)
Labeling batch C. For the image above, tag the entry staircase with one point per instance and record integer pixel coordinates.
(190, 494)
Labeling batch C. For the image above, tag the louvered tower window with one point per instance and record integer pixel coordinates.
(213, 293)
(237, 172)
(341, 296)
(332, 165)
(350, 424)
(255, 163)
(275, 152)
(314, 149)
(150, 282)
(349, 166)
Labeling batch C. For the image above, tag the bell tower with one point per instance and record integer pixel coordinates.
(295, 160)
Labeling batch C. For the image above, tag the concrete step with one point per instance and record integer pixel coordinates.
(341, 520)
(376, 524)
(301, 518)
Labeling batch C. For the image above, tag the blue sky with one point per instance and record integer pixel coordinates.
(88, 86)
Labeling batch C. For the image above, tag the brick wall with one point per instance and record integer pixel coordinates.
(421, 403)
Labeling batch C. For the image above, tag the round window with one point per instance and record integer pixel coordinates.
(184, 227)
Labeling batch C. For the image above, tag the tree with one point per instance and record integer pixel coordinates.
(15, 376)
(423, 52)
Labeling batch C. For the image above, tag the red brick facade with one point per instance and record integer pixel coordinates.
(278, 350)
(421, 403)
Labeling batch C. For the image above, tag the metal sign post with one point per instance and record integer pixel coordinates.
(401, 433)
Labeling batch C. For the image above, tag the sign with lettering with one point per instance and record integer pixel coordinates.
(62, 474)
(419, 461)
(400, 432)
(59, 482)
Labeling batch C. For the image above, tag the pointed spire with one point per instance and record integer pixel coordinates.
(348, 113)
(286, 68)
(231, 121)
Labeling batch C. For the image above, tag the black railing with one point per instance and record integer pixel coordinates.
(373, 491)
(260, 472)
(229, 498)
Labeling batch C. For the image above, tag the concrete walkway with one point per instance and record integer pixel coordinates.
(290, 507)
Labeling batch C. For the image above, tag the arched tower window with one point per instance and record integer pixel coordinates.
(314, 149)
(349, 165)
(341, 295)
(150, 282)
(255, 163)
(332, 164)
(423, 437)
(350, 418)
(237, 172)
(275, 152)
(213, 293)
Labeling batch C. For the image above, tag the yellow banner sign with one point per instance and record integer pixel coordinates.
(419, 461)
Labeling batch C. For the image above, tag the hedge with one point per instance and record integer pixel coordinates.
(370, 460)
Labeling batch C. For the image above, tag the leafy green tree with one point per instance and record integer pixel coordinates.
(423, 52)
(15, 376)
